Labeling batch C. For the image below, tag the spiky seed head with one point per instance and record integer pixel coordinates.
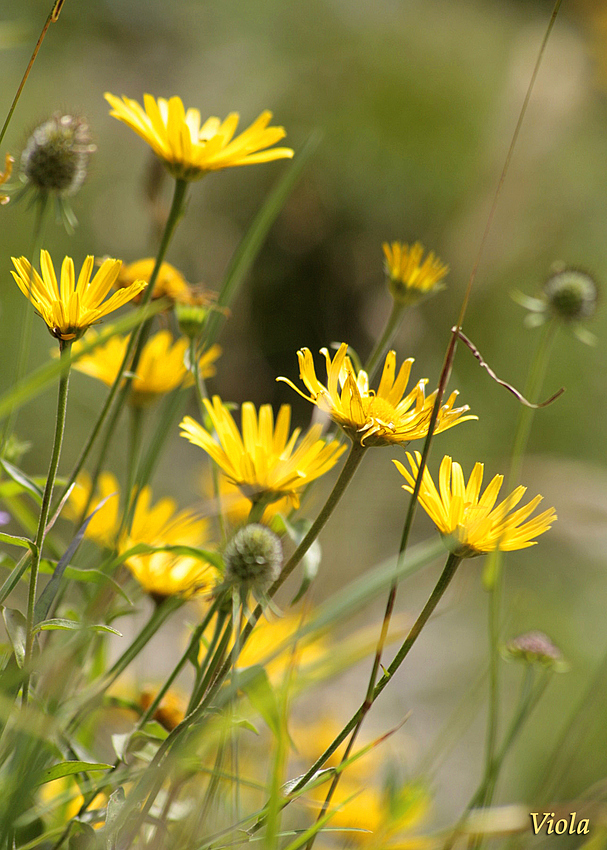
(253, 558)
(55, 157)
(571, 294)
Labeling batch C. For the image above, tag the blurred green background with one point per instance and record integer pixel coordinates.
(416, 101)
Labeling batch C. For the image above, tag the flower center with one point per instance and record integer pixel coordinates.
(380, 410)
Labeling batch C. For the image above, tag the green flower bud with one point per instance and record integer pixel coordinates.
(253, 558)
(55, 157)
(571, 294)
(191, 318)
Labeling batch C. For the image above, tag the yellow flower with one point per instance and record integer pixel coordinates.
(170, 283)
(73, 307)
(408, 278)
(234, 505)
(161, 368)
(190, 150)
(470, 521)
(159, 573)
(265, 462)
(374, 418)
(103, 526)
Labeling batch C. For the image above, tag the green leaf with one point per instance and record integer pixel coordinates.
(246, 253)
(43, 605)
(24, 480)
(90, 576)
(213, 558)
(38, 381)
(24, 542)
(58, 623)
(68, 768)
(256, 685)
(16, 627)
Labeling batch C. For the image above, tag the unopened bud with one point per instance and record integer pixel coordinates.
(253, 558)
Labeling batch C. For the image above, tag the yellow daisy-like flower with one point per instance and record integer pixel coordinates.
(374, 418)
(409, 279)
(170, 283)
(159, 573)
(470, 521)
(190, 150)
(161, 368)
(265, 462)
(73, 306)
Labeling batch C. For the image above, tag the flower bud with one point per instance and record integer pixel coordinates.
(571, 294)
(191, 319)
(253, 558)
(535, 648)
(55, 157)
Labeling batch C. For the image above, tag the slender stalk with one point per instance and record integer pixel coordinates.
(383, 343)
(52, 17)
(494, 574)
(453, 562)
(65, 347)
(132, 489)
(148, 786)
(26, 330)
(171, 223)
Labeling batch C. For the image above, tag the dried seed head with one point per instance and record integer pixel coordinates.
(55, 157)
(571, 294)
(253, 558)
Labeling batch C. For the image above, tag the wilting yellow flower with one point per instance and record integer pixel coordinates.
(170, 283)
(170, 712)
(470, 521)
(73, 307)
(374, 418)
(265, 462)
(190, 150)
(159, 573)
(408, 278)
(161, 368)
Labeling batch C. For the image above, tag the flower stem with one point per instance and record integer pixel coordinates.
(382, 344)
(65, 347)
(52, 17)
(171, 223)
(453, 562)
(26, 330)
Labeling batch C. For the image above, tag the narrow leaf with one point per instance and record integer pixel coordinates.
(68, 768)
(24, 542)
(61, 624)
(256, 685)
(21, 478)
(16, 627)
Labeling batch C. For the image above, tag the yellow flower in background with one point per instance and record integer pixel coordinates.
(170, 283)
(73, 306)
(236, 507)
(159, 573)
(161, 368)
(471, 521)
(103, 526)
(409, 279)
(190, 149)
(374, 418)
(265, 462)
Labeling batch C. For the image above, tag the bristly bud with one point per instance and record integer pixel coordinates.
(535, 648)
(55, 157)
(409, 279)
(253, 558)
(571, 294)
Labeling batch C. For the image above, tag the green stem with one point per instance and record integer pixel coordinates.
(52, 17)
(171, 223)
(65, 347)
(131, 491)
(148, 786)
(453, 561)
(493, 572)
(26, 331)
(383, 343)
(214, 658)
